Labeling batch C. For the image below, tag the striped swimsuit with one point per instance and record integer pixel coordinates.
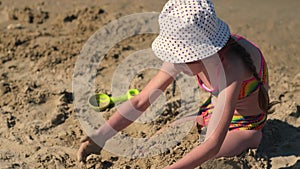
(249, 87)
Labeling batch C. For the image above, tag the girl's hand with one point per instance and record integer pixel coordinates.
(88, 147)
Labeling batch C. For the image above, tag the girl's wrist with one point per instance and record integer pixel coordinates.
(105, 132)
(98, 139)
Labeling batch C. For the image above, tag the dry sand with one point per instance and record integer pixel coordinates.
(39, 46)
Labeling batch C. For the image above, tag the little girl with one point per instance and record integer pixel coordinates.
(193, 40)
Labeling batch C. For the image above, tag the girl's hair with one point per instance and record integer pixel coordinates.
(263, 96)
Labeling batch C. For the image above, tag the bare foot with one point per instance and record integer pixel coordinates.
(87, 147)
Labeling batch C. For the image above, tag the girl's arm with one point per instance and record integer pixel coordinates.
(219, 122)
(127, 112)
(131, 110)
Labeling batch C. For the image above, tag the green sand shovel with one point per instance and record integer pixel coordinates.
(101, 101)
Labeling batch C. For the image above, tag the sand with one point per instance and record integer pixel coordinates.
(40, 44)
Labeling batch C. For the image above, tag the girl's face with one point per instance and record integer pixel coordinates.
(190, 69)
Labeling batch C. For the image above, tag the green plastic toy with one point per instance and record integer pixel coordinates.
(101, 101)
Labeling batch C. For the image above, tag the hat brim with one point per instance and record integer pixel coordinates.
(185, 51)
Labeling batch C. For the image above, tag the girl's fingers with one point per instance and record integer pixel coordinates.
(81, 154)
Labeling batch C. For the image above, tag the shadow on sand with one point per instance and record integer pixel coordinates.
(280, 140)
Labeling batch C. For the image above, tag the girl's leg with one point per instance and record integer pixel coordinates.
(237, 141)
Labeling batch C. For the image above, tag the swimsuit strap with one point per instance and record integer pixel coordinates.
(251, 85)
(238, 37)
(202, 85)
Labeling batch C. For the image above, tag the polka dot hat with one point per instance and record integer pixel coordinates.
(189, 31)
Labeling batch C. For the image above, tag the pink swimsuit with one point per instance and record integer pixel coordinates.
(249, 87)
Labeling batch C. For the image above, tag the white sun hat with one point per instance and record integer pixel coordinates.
(189, 31)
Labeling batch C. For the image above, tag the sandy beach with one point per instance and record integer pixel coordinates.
(42, 42)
